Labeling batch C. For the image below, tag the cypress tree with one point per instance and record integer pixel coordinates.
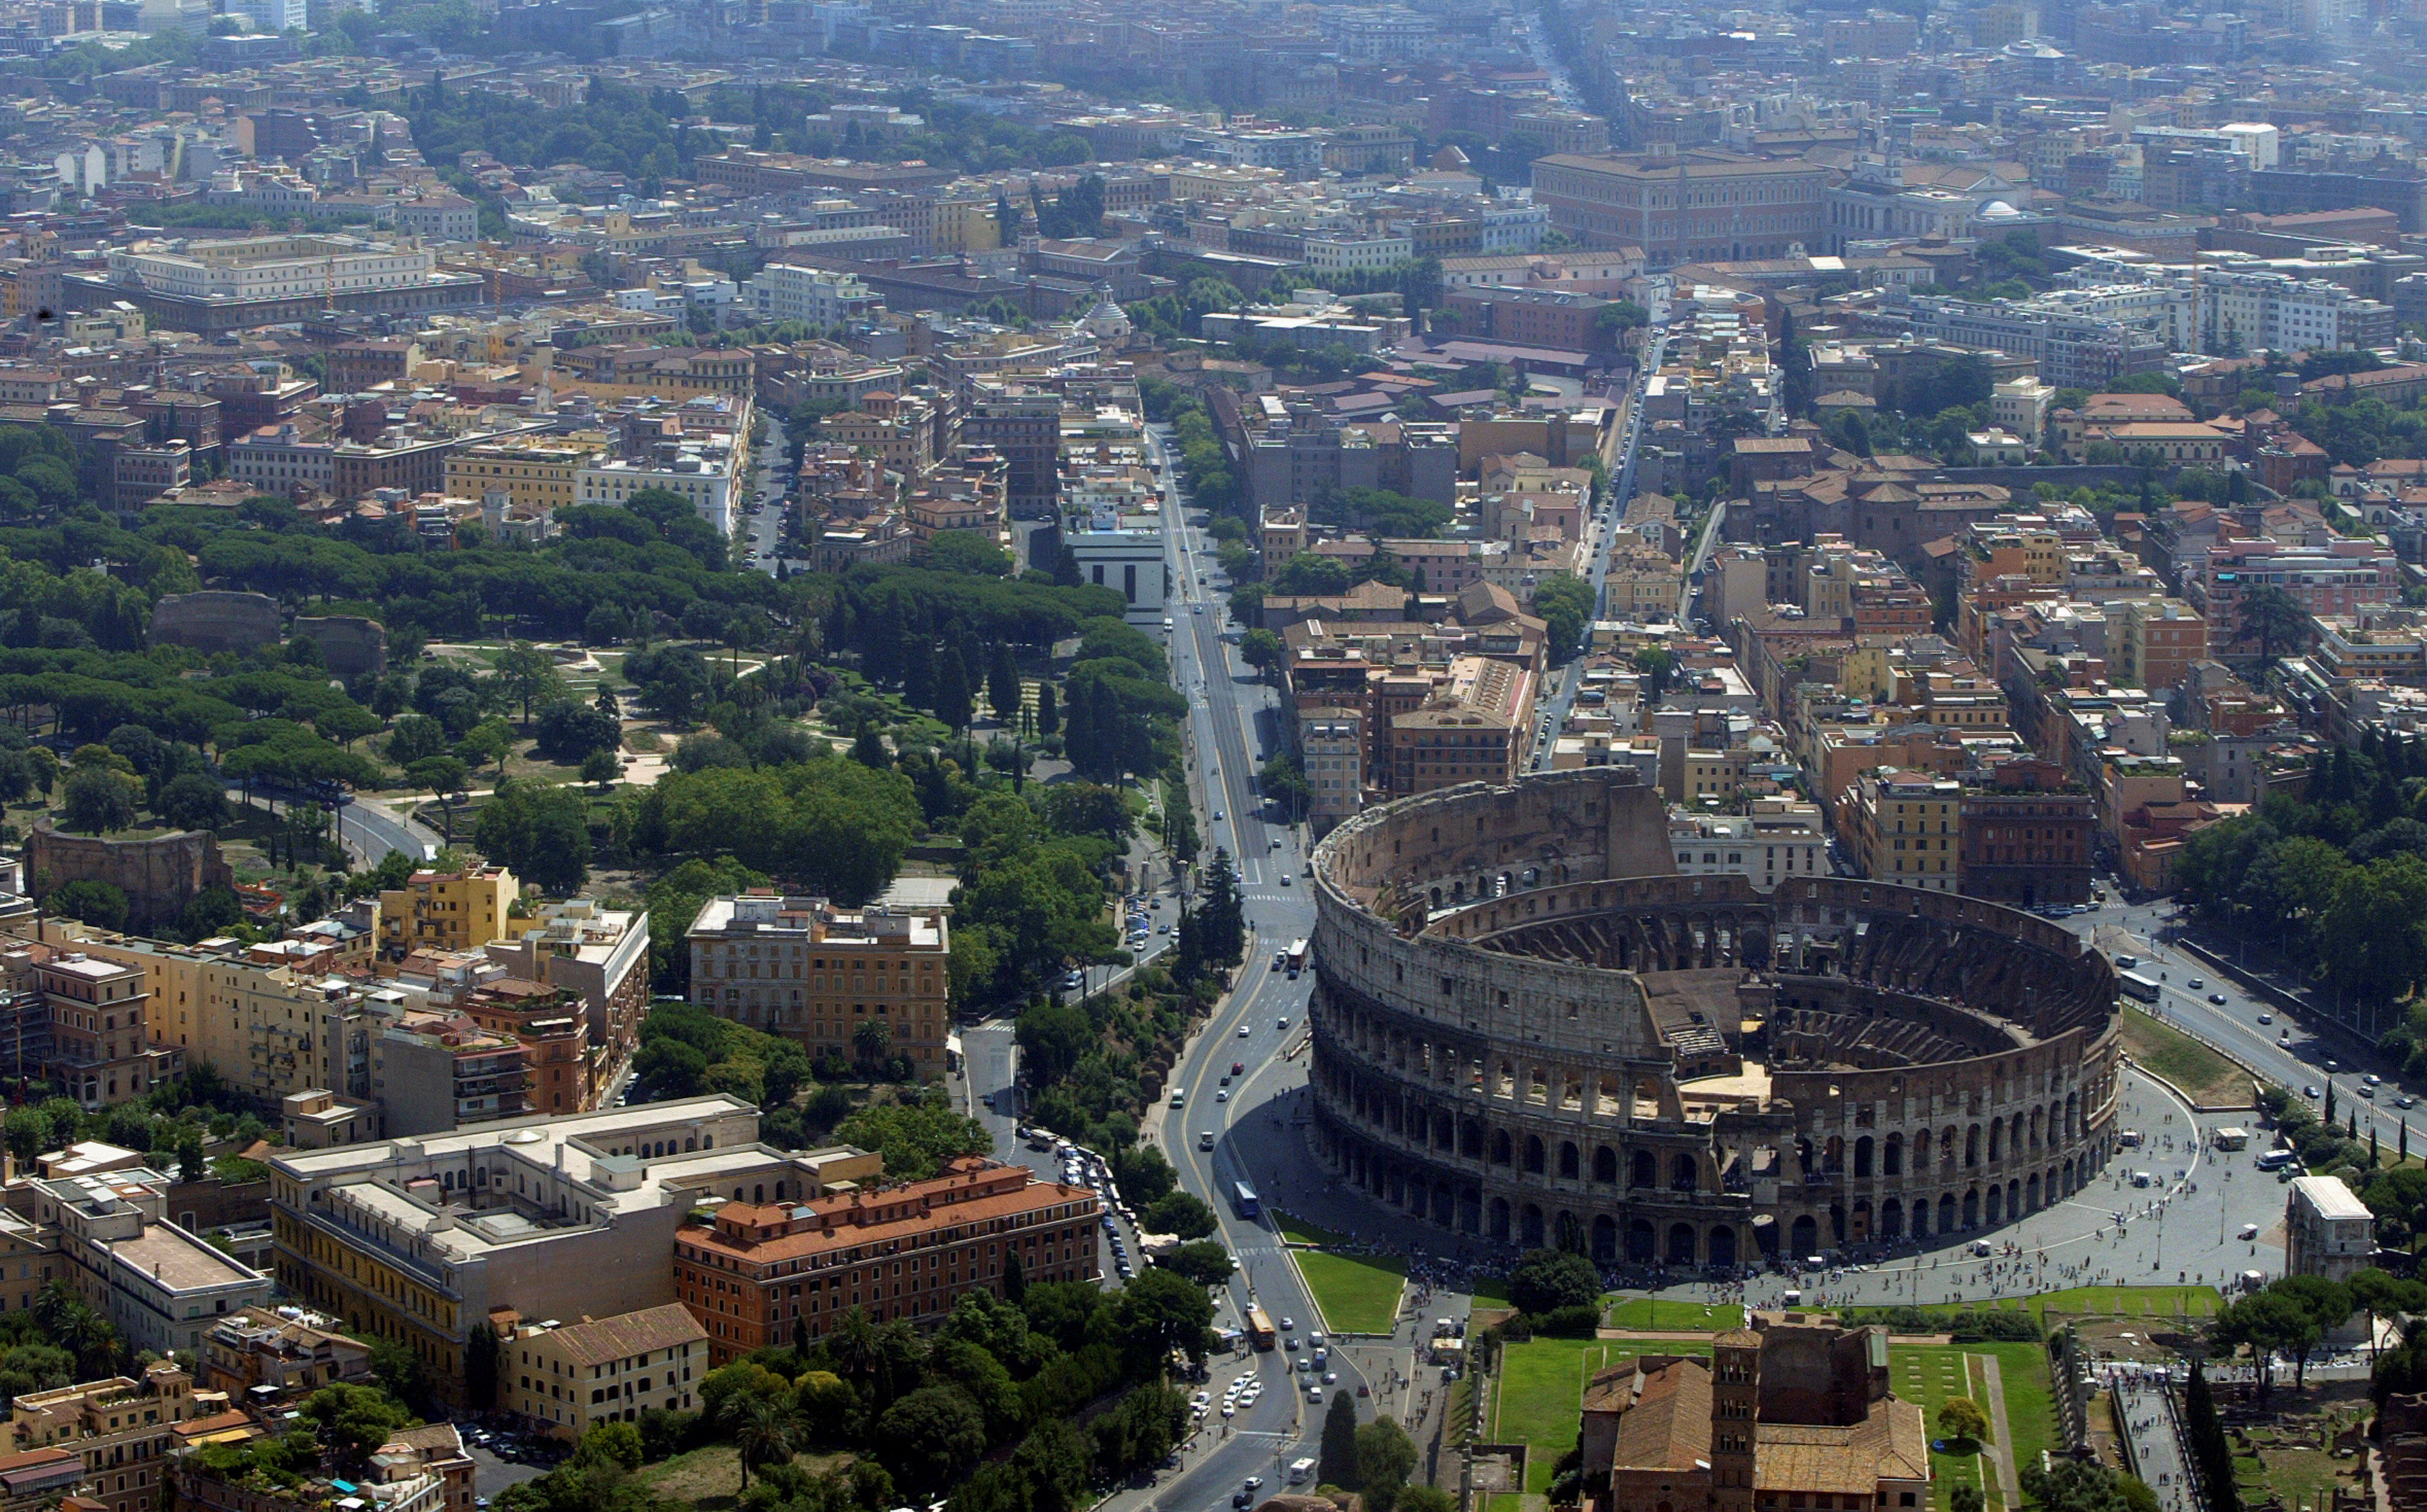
(1338, 1466)
(1079, 737)
(1112, 735)
(1048, 719)
(918, 673)
(953, 704)
(2210, 1453)
(1002, 683)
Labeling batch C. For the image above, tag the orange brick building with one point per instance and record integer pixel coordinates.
(903, 1251)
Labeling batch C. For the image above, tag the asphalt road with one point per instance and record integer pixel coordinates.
(1617, 456)
(2283, 1049)
(765, 513)
(1231, 725)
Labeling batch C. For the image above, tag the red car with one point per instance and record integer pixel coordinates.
(1238, 1067)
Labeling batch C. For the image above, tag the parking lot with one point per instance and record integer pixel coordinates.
(501, 1459)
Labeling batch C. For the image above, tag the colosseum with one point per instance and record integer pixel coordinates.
(1529, 1028)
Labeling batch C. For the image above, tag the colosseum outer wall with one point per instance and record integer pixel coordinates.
(1478, 1063)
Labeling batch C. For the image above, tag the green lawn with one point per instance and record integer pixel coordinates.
(1541, 1401)
(1929, 1375)
(1662, 1315)
(1296, 1230)
(1357, 1293)
(2132, 1301)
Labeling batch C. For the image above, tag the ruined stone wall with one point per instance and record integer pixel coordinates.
(215, 620)
(160, 876)
(352, 645)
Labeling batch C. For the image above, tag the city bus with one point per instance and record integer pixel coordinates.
(1259, 1327)
(1243, 1196)
(2133, 984)
(1297, 958)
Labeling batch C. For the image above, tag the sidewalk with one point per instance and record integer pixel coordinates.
(2153, 1444)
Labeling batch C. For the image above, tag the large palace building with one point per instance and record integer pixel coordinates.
(1528, 1027)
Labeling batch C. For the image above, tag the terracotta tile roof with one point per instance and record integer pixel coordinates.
(1890, 1444)
(1668, 1427)
(605, 1340)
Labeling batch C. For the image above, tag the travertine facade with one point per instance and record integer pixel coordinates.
(1528, 1027)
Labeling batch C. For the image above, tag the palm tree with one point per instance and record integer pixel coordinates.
(871, 1039)
(52, 1304)
(766, 1432)
(853, 1345)
(87, 1336)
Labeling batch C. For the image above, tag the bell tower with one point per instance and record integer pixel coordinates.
(1735, 1406)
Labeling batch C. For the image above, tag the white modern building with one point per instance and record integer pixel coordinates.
(707, 470)
(814, 296)
(2261, 310)
(1778, 840)
(1126, 556)
(1346, 251)
(273, 16)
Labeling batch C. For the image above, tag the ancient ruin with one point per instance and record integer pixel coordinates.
(1528, 1027)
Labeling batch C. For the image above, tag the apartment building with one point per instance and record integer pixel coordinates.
(536, 473)
(814, 973)
(447, 910)
(2337, 578)
(601, 956)
(1902, 827)
(100, 1051)
(2160, 641)
(161, 1286)
(1332, 743)
(286, 1350)
(751, 1272)
(434, 1072)
(420, 1240)
(414, 1470)
(782, 292)
(707, 472)
(1774, 840)
(2078, 340)
(2029, 833)
(122, 1431)
(1471, 726)
(562, 1378)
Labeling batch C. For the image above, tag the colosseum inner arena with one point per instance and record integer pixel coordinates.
(1529, 1028)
